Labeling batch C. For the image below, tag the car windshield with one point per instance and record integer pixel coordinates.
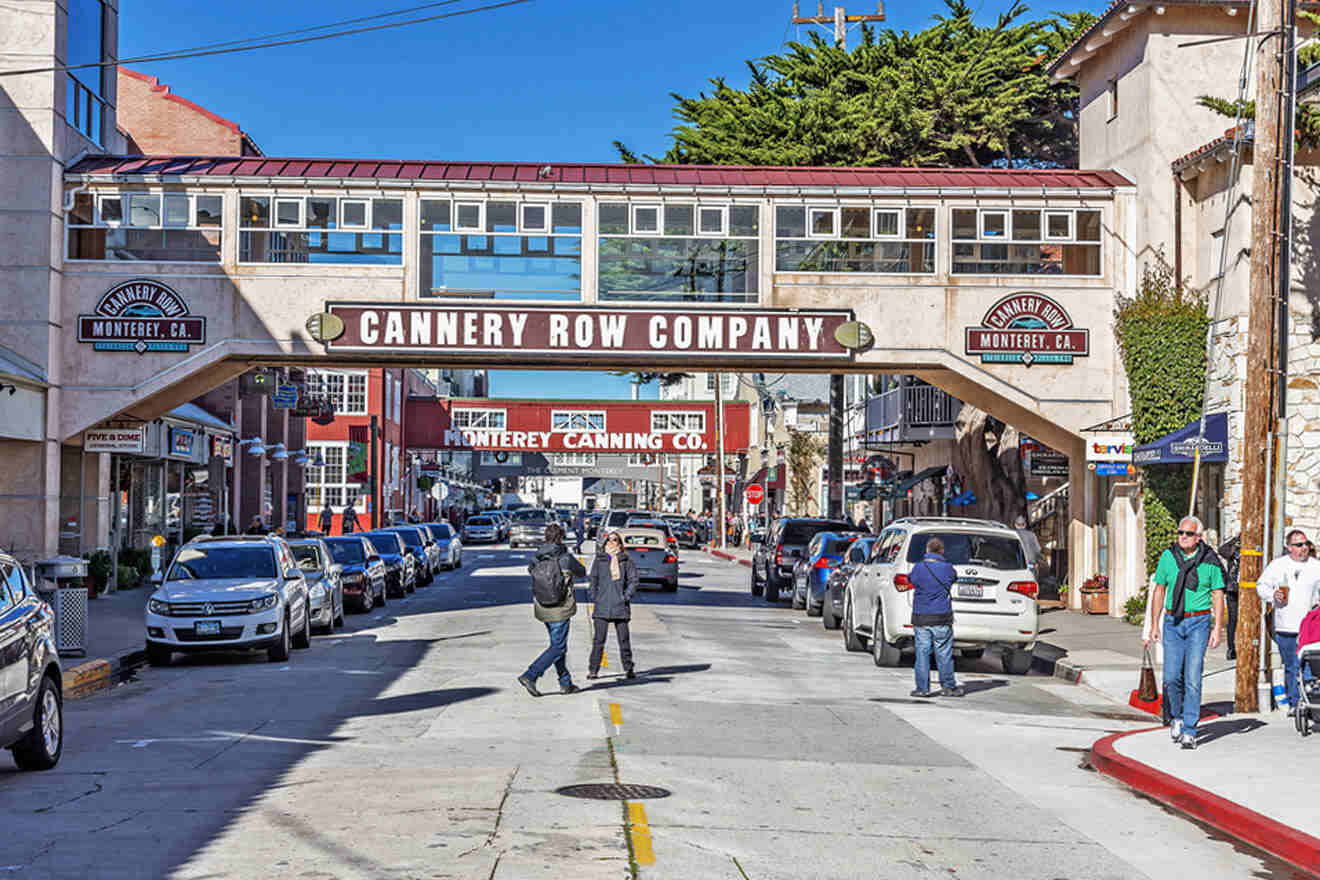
(529, 517)
(647, 524)
(346, 551)
(386, 542)
(411, 537)
(308, 556)
(835, 546)
(440, 532)
(860, 550)
(803, 532)
(961, 548)
(223, 563)
(481, 521)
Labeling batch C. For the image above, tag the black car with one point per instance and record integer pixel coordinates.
(685, 531)
(772, 564)
(399, 565)
(31, 681)
(858, 552)
(362, 570)
(414, 544)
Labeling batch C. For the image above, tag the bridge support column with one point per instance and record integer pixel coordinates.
(1082, 516)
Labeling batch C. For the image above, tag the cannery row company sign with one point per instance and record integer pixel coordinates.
(757, 333)
(1027, 328)
(141, 315)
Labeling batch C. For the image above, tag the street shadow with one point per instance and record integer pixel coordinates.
(675, 670)
(1213, 730)
(425, 700)
(975, 687)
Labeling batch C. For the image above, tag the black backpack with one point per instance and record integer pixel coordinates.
(549, 584)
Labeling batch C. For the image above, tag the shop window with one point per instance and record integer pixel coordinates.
(141, 226)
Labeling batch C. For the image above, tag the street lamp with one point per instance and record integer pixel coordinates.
(255, 445)
(278, 452)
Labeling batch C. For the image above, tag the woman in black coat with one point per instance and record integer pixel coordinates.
(612, 586)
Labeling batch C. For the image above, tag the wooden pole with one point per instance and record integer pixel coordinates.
(1258, 399)
(719, 460)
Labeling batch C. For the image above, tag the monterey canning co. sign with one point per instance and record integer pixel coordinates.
(547, 330)
(1027, 328)
(141, 315)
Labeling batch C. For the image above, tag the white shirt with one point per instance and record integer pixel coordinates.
(1303, 582)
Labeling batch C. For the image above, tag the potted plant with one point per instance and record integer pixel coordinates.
(98, 572)
(1095, 595)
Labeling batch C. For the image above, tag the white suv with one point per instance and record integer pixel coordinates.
(229, 593)
(994, 596)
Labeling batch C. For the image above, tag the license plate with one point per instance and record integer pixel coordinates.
(207, 627)
(970, 591)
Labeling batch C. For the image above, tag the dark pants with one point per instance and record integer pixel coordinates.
(598, 643)
(557, 654)
(1231, 599)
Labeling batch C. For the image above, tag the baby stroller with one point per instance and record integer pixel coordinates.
(1308, 653)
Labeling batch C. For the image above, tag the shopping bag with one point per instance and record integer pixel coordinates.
(1147, 690)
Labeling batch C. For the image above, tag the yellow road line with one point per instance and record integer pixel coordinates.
(640, 833)
(616, 714)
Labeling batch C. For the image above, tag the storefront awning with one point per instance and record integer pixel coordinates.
(191, 412)
(920, 476)
(776, 483)
(1179, 447)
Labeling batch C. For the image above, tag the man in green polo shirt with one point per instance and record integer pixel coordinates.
(1189, 585)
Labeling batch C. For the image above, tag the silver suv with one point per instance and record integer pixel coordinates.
(228, 593)
(31, 694)
(993, 596)
(529, 527)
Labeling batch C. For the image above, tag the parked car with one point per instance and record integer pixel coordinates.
(684, 531)
(31, 680)
(481, 529)
(229, 593)
(858, 552)
(449, 549)
(655, 562)
(528, 527)
(324, 588)
(994, 595)
(617, 517)
(434, 557)
(813, 568)
(414, 544)
(400, 573)
(773, 561)
(362, 571)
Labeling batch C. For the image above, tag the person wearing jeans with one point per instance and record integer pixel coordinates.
(1189, 585)
(556, 654)
(940, 638)
(555, 617)
(932, 620)
(1292, 584)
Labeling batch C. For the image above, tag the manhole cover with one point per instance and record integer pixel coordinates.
(613, 791)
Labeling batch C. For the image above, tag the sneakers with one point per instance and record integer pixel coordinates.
(1175, 730)
(921, 693)
(1187, 741)
(958, 691)
(630, 674)
(592, 676)
(529, 684)
(569, 689)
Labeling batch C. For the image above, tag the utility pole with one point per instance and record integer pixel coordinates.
(840, 20)
(1260, 403)
(834, 467)
(719, 459)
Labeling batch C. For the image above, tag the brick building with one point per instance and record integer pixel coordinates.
(156, 121)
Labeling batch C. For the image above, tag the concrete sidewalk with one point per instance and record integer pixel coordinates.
(115, 643)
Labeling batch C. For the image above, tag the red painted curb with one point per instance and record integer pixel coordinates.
(720, 554)
(1295, 847)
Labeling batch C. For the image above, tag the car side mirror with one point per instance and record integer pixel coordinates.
(158, 577)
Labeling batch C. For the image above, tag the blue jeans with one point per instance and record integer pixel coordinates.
(1287, 643)
(1184, 660)
(941, 639)
(556, 654)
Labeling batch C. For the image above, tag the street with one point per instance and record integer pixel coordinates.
(402, 746)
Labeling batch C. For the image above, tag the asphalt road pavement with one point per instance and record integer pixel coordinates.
(402, 747)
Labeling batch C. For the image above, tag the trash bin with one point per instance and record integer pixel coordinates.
(68, 603)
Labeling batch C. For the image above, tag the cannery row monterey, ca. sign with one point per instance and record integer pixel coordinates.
(548, 330)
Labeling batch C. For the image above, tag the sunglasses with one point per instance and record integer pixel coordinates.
(1303, 544)
(1192, 534)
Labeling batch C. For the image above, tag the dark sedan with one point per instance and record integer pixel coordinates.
(837, 585)
(362, 571)
(772, 564)
(685, 531)
(399, 571)
(414, 544)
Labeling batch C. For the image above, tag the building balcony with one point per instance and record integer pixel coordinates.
(911, 412)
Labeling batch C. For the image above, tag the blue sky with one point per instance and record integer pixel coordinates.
(546, 81)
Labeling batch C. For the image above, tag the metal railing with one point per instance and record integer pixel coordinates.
(911, 406)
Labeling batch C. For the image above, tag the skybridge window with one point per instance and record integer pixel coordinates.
(1026, 241)
(320, 229)
(855, 239)
(145, 226)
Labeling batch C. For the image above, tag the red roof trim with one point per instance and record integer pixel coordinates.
(641, 175)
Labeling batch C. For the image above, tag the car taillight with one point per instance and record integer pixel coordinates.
(779, 556)
(1026, 588)
(671, 540)
(671, 558)
(822, 563)
(902, 583)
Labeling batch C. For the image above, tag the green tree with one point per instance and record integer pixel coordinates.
(956, 93)
(804, 454)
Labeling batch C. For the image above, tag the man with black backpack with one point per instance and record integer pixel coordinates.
(932, 620)
(553, 570)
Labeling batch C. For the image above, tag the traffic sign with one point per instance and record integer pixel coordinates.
(755, 493)
(285, 397)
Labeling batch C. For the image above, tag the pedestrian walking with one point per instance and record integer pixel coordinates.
(1230, 554)
(326, 520)
(1030, 543)
(579, 529)
(256, 527)
(612, 585)
(1189, 586)
(1291, 584)
(413, 517)
(932, 620)
(553, 570)
(348, 523)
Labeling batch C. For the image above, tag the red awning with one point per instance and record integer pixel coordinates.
(776, 483)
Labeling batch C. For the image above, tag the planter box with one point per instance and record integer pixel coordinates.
(1095, 602)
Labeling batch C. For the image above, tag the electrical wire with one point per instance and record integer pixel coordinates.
(268, 45)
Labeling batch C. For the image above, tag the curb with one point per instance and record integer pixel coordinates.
(101, 674)
(1295, 847)
(720, 554)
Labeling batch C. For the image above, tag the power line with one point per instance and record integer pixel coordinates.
(191, 54)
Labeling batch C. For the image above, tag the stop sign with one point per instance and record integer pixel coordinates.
(755, 494)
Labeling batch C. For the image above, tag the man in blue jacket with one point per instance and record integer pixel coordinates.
(932, 620)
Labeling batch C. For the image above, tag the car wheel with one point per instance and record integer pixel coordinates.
(827, 616)
(973, 653)
(43, 745)
(304, 637)
(671, 586)
(798, 604)
(279, 652)
(814, 610)
(411, 587)
(771, 588)
(1015, 661)
(458, 563)
(382, 598)
(757, 589)
(159, 655)
(366, 601)
(851, 641)
(883, 653)
(339, 618)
